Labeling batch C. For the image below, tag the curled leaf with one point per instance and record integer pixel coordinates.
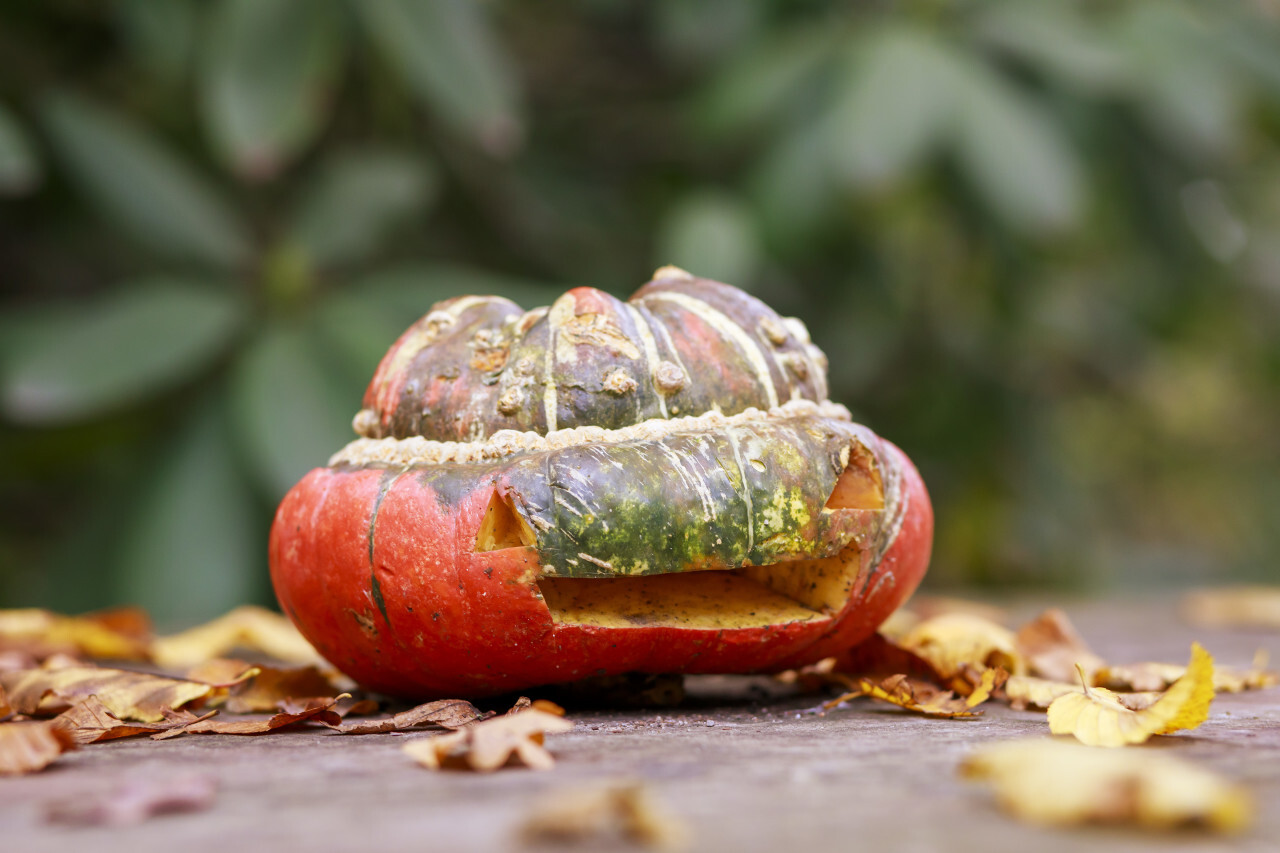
(446, 713)
(57, 686)
(122, 634)
(912, 695)
(951, 640)
(253, 628)
(602, 818)
(1057, 783)
(261, 689)
(488, 745)
(319, 710)
(1097, 717)
(1053, 648)
(1158, 676)
(91, 721)
(27, 747)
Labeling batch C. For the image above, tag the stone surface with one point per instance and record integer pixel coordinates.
(770, 774)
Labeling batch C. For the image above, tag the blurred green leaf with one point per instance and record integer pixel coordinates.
(711, 234)
(895, 106)
(143, 187)
(1189, 94)
(194, 548)
(449, 55)
(160, 35)
(269, 72)
(362, 320)
(1057, 39)
(137, 341)
(19, 168)
(793, 191)
(292, 410)
(764, 81)
(356, 202)
(1014, 155)
(700, 33)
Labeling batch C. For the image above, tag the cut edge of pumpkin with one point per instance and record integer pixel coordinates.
(750, 596)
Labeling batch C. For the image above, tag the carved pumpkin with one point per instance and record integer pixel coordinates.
(598, 487)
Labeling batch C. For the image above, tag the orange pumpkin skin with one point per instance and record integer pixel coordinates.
(377, 565)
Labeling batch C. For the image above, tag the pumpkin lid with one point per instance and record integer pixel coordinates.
(680, 347)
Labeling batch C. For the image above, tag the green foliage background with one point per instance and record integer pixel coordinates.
(1040, 242)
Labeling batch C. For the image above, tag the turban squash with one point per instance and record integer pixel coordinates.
(593, 488)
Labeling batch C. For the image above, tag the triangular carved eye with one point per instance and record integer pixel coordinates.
(859, 485)
(502, 527)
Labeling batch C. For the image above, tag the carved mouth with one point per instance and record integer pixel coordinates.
(716, 597)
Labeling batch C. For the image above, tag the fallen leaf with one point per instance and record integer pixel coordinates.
(488, 745)
(267, 687)
(912, 695)
(27, 747)
(120, 634)
(1158, 676)
(5, 709)
(1026, 691)
(1235, 607)
(135, 801)
(603, 818)
(91, 721)
(446, 713)
(55, 687)
(252, 628)
(932, 606)
(1053, 648)
(320, 711)
(951, 640)
(1097, 717)
(877, 657)
(1059, 784)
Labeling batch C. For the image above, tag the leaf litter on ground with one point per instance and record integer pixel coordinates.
(485, 746)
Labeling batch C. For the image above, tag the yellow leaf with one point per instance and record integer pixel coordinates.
(252, 628)
(1027, 691)
(913, 695)
(120, 634)
(1057, 783)
(605, 818)
(1237, 607)
(1158, 676)
(53, 688)
(1098, 717)
(952, 640)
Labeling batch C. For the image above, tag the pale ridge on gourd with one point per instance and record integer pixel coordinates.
(416, 450)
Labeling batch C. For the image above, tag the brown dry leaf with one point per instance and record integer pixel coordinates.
(602, 818)
(56, 686)
(491, 744)
(27, 747)
(951, 640)
(122, 634)
(1097, 717)
(318, 710)
(1053, 648)
(253, 628)
(267, 687)
(446, 713)
(1059, 784)
(135, 801)
(5, 709)
(912, 695)
(91, 721)
(1235, 607)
